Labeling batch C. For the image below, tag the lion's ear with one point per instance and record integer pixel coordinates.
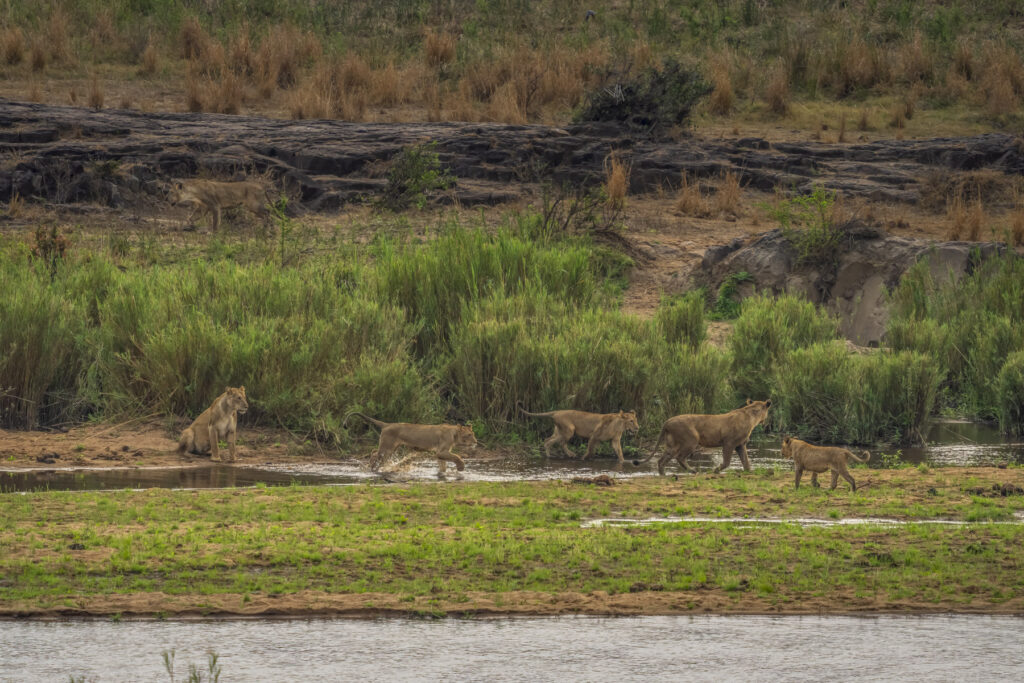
(749, 401)
(768, 403)
(242, 388)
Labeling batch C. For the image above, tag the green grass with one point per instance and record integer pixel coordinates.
(443, 542)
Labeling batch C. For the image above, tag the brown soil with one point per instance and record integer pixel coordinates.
(515, 603)
(138, 444)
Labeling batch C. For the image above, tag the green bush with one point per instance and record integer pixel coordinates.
(809, 225)
(768, 329)
(1010, 389)
(812, 388)
(681, 319)
(415, 173)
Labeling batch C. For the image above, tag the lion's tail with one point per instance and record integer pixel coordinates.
(654, 451)
(527, 412)
(185, 441)
(380, 424)
(867, 456)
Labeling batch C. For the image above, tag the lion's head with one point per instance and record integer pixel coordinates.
(787, 447)
(759, 409)
(629, 419)
(464, 436)
(234, 399)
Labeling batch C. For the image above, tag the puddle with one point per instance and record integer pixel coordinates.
(702, 648)
(950, 443)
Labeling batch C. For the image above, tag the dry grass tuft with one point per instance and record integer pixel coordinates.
(242, 58)
(125, 103)
(37, 56)
(12, 45)
(194, 88)
(386, 86)
(95, 99)
(616, 184)
(193, 39)
(505, 106)
(963, 60)
(864, 122)
(690, 201)
(228, 95)
(965, 221)
(438, 48)
(354, 73)
(728, 195)
(150, 59)
(15, 206)
(58, 37)
(1017, 226)
(841, 137)
(722, 96)
(776, 94)
(34, 94)
(915, 62)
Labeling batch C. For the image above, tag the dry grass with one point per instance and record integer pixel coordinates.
(722, 97)
(193, 39)
(1017, 226)
(95, 97)
(386, 87)
(438, 48)
(124, 103)
(150, 59)
(963, 60)
(34, 93)
(915, 63)
(58, 37)
(965, 220)
(12, 46)
(776, 94)
(728, 195)
(228, 95)
(505, 106)
(690, 201)
(37, 55)
(15, 206)
(616, 185)
(841, 137)
(194, 89)
(864, 122)
(242, 57)
(354, 73)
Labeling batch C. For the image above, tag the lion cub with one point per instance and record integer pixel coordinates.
(440, 439)
(216, 422)
(818, 459)
(210, 196)
(596, 427)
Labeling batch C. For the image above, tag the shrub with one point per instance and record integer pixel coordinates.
(812, 387)
(809, 224)
(1010, 389)
(681, 319)
(727, 301)
(895, 393)
(767, 329)
(415, 172)
(653, 100)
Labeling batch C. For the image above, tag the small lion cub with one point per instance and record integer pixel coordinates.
(211, 196)
(818, 459)
(218, 421)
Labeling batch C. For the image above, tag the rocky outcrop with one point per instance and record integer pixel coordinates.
(869, 264)
(69, 154)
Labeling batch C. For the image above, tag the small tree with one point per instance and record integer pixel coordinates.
(415, 172)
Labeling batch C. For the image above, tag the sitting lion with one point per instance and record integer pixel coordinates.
(817, 459)
(210, 196)
(596, 427)
(214, 423)
(684, 435)
(440, 439)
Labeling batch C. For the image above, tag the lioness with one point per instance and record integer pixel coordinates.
(438, 438)
(684, 435)
(214, 423)
(210, 196)
(596, 427)
(817, 459)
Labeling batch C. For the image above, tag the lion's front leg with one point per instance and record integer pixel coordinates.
(232, 435)
(214, 446)
(617, 447)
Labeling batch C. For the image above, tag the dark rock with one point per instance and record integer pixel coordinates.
(76, 546)
(870, 263)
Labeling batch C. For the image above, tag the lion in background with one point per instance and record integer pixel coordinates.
(685, 435)
(818, 459)
(596, 427)
(211, 196)
(439, 439)
(216, 422)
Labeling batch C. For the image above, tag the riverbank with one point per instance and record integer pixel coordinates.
(519, 548)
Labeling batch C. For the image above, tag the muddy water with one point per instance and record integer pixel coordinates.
(948, 443)
(932, 648)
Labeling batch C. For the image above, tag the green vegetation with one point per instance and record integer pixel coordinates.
(808, 222)
(971, 330)
(415, 172)
(440, 543)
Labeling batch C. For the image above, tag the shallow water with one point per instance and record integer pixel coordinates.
(741, 648)
(949, 443)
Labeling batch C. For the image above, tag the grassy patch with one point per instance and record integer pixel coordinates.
(492, 538)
